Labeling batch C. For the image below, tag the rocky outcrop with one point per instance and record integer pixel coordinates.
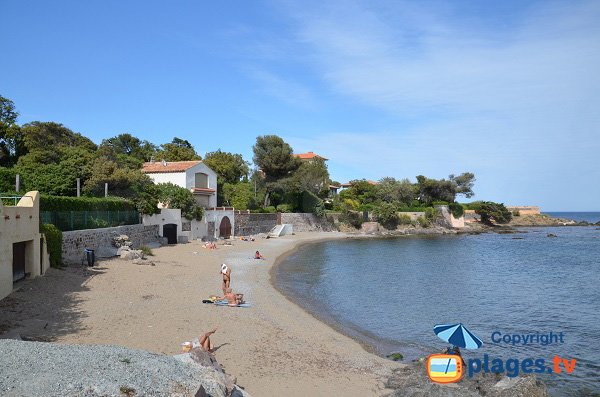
(412, 380)
(96, 370)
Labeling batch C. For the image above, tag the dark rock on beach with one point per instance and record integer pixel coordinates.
(412, 380)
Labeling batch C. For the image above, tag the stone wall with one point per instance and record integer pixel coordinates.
(247, 224)
(100, 240)
(307, 222)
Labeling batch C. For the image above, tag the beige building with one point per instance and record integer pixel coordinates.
(21, 244)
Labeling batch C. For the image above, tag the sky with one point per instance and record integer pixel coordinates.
(507, 90)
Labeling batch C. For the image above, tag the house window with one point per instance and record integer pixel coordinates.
(201, 180)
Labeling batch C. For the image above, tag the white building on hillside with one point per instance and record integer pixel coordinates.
(193, 175)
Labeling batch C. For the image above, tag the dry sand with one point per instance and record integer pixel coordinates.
(274, 348)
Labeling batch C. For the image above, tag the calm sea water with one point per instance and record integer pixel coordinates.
(389, 293)
(591, 217)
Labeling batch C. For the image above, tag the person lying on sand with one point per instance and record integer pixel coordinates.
(257, 255)
(233, 299)
(210, 245)
(205, 342)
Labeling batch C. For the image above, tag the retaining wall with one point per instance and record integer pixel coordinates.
(247, 224)
(100, 240)
(307, 222)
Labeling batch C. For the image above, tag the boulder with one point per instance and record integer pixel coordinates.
(132, 254)
(369, 227)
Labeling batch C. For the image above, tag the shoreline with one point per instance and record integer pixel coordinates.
(273, 347)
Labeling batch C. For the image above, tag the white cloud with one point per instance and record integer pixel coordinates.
(504, 102)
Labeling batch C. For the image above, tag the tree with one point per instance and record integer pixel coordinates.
(11, 144)
(173, 196)
(124, 148)
(390, 190)
(177, 150)
(45, 141)
(312, 176)
(239, 195)
(464, 183)
(360, 190)
(274, 157)
(230, 168)
(493, 213)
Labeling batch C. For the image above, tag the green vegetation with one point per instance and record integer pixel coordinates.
(493, 213)
(146, 250)
(49, 157)
(173, 196)
(54, 243)
(61, 203)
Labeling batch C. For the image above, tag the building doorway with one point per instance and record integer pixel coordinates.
(225, 228)
(18, 261)
(170, 232)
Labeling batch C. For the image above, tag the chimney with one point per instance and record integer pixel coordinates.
(164, 163)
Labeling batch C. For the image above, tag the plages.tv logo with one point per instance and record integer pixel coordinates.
(449, 367)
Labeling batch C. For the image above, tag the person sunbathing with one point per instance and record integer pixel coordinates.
(257, 255)
(205, 342)
(233, 299)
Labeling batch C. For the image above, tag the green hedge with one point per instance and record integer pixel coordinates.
(456, 209)
(64, 203)
(54, 242)
(312, 204)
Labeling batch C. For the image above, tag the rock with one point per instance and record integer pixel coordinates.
(122, 241)
(122, 249)
(132, 254)
(369, 227)
(103, 371)
(551, 235)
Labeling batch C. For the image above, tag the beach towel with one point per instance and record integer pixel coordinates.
(225, 303)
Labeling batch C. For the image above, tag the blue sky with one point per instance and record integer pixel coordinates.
(509, 91)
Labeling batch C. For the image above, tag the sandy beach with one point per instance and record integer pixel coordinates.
(274, 347)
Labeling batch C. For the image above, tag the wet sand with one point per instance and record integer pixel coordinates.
(274, 347)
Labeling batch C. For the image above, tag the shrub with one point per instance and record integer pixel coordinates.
(312, 204)
(404, 219)
(146, 250)
(439, 202)
(386, 215)
(352, 218)
(285, 208)
(516, 213)
(270, 210)
(63, 203)
(423, 221)
(491, 213)
(54, 243)
(431, 214)
(456, 210)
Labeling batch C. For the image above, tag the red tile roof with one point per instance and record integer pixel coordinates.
(168, 166)
(309, 156)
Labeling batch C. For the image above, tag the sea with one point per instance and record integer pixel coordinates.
(389, 293)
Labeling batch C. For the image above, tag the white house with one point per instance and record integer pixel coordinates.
(193, 175)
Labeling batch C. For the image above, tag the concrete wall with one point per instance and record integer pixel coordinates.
(525, 209)
(307, 222)
(413, 215)
(448, 220)
(166, 216)
(212, 219)
(248, 224)
(471, 216)
(190, 182)
(100, 240)
(176, 178)
(21, 224)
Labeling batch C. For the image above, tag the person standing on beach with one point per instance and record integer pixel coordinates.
(226, 272)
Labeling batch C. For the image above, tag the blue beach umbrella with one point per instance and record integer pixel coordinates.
(457, 335)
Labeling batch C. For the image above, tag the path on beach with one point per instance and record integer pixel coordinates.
(274, 348)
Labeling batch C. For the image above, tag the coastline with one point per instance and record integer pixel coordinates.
(273, 347)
